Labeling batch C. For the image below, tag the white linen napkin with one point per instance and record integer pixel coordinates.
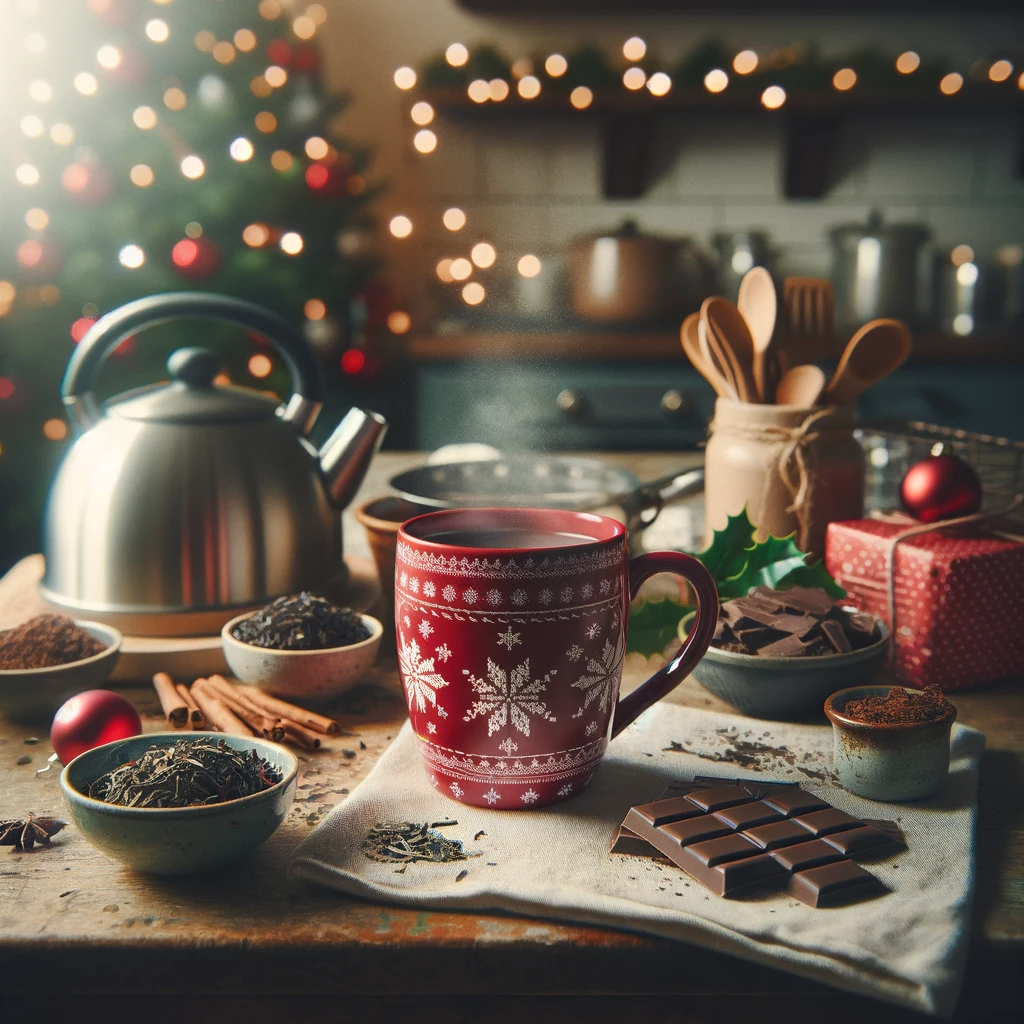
(907, 947)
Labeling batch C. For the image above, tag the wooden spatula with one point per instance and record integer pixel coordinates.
(877, 349)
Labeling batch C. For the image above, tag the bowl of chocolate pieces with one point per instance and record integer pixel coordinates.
(49, 658)
(779, 653)
(179, 803)
(302, 647)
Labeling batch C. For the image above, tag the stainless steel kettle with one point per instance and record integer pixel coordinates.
(184, 502)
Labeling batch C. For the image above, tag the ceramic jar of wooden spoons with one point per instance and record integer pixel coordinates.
(794, 468)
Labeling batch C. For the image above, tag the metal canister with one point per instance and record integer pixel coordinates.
(878, 271)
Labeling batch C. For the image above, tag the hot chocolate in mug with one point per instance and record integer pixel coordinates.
(511, 630)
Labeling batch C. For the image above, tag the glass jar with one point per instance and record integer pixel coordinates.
(794, 469)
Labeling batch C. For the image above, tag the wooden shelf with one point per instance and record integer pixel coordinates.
(812, 118)
(530, 346)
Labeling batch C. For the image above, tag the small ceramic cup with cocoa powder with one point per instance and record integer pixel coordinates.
(891, 743)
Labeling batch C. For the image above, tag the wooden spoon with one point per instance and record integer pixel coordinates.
(800, 385)
(728, 332)
(758, 306)
(871, 354)
(689, 335)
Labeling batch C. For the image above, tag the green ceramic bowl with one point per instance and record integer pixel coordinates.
(785, 688)
(176, 840)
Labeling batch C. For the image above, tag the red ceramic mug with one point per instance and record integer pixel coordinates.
(511, 629)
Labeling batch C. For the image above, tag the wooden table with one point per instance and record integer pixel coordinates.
(81, 935)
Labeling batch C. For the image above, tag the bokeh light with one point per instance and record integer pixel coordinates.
(281, 160)
(456, 55)
(745, 62)
(498, 89)
(131, 256)
(158, 30)
(40, 91)
(529, 87)
(32, 126)
(36, 219)
(907, 62)
(483, 255)
(141, 175)
(205, 41)
(223, 52)
(27, 174)
(304, 27)
(255, 235)
(245, 40)
(265, 122)
(556, 65)
(967, 274)
(269, 9)
(260, 365)
(634, 48)
(460, 269)
(405, 78)
(276, 76)
(317, 148)
(192, 166)
(241, 149)
(399, 322)
(30, 253)
(961, 254)
(444, 270)
(425, 141)
(716, 80)
(353, 360)
(844, 79)
(479, 91)
(634, 78)
(521, 67)
(659, 84)
(108, 57)
(175, 98)
(422, 113)
(529, 265)
(315, 309)
(55, 430)
(400, 226)
(75, 177)
(473, 293)
(773, 97)
(291, 243)
(86, 84)
(144, 118)
(1000, 71)
(581, 97)
(62, 134)
(951, 83)
(454, 219)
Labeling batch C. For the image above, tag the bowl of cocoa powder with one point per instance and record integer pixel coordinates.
(891, 742)
(49, 658)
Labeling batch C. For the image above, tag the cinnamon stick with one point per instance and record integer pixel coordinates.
(196, 716)
(305, 738)
(261, 724)
(291, 712)
(217, 713)
(174, 708)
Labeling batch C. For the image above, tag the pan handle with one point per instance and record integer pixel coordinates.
(653, 496)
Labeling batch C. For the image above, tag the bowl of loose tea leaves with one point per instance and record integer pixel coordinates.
(49, 658)
(302, 647)
(180, 803)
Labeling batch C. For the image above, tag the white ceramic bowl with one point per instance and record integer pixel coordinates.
(303, 676)
(36, 693)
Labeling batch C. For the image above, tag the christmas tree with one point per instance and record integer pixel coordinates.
(165, 146)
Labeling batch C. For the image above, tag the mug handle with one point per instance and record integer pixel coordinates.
(697, 642)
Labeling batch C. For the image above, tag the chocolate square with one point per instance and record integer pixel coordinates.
(718, 797)
(802, 856)
(864, 842)
(824, 823)
(713, 852)
(660, 812)
(792, 802)
(778, 834)
(747, 816)
(694, 830)
(834, 885)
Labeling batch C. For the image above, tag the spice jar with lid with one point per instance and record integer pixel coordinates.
(795, 469)
(890, 743)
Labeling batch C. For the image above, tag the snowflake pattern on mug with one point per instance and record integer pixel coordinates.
(429, 590)
(586, 591)
(605, 587)
(470, 596)
(509, 639)
(414, 584)
(425, 629)
(492, 796)
(593, 630)
(565, 790)
(443, 653)
(508, 746)
(508, 697)
(545, 597)
(591, 728)
(574, 653)
(404, 578)
(431, 728)
(456, 790)
(519, 597)
(565, 594)
(449, 593)
(530, 796)
(421, 680)
(494, 597)
(602, 673)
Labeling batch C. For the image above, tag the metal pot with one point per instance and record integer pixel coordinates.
(738, 252)
(627, 277)
(877, 271)
(182, 503)
(537, 481)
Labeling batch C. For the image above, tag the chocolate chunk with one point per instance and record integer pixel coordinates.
(801, 856)
(718, 797)
(824, 823)
(683, 833)
(746, 816)
(760, 611)
(737, 648)
(787, 647)
(866, 841)
(834, 885)
(807, 599)
(817, 647)
(861, 622)
(759, 636)
(726, 848)
(723, 634)
(661, 812)
(799, 625)
(777, 834)
(836, 636)
(793, 802)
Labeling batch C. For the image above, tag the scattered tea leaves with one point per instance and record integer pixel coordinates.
(410, 842)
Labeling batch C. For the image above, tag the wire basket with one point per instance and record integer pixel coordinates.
(891, 447)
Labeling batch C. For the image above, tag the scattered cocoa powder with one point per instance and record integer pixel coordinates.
(899, 706)
(45, 641)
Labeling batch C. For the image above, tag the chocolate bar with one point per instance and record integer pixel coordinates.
(735, 837)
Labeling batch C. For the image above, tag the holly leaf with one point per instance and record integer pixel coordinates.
(813, 575)
(726, 555)
(653, 624)
(768, 562)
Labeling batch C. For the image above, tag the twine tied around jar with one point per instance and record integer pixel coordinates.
(916, 530)
(791, 464)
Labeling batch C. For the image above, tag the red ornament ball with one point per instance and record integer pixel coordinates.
(196, 258)
(940, 487)
(90, 719)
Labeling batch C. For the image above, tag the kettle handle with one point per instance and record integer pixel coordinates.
(110, 330)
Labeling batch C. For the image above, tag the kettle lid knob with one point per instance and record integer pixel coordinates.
(194, 367)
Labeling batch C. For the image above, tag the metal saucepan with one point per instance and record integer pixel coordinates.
(538, 481)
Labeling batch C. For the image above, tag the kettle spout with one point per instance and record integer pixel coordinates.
(347, 453)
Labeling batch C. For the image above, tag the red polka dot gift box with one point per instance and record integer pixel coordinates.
(959, 598)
